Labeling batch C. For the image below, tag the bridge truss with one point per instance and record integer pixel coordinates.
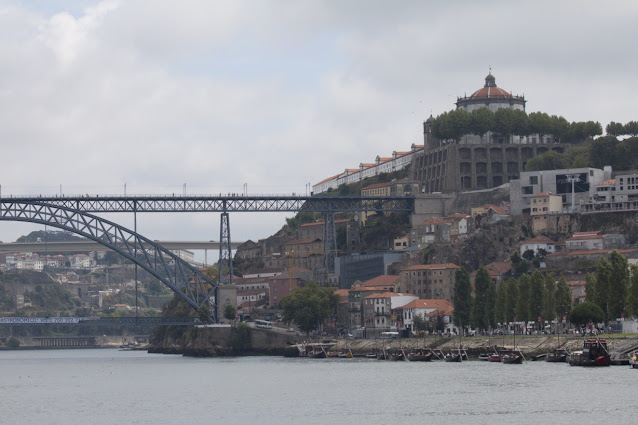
(73, 213)
(185, 280)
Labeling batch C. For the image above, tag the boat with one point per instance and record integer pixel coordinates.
(494, 358)
(559, 355)
(398, 355)
(483, 356)
(512, 357)
(453, 357)
(313, 350)
(594, 353)
(420, 355)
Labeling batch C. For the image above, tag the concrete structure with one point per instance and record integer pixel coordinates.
(585, 241)
(542, 205)
(435, 281)
(617, 194)
(361, 267)
(558, 182)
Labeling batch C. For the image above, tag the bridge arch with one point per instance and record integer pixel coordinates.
(185, 280)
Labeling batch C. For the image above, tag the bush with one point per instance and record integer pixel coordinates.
(13, 343)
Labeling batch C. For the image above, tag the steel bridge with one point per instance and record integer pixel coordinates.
(100, 321)
(76, 214)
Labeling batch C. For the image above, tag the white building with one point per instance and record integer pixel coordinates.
(582, 181)
(538, 243)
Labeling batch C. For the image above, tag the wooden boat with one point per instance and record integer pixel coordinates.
(494, 358)
(594, 353)
(453, 357)
(313, 350)
(483, 356)
(420, 355)
(559, 355)
(512, 357)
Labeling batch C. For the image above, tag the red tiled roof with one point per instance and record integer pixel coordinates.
(328, 179)
(388, 295)
(592, 252)
(538, 239)
(444, 266)
(608, 182)
(301, 241)
(382, 280)
(429, 303)
(434, 220)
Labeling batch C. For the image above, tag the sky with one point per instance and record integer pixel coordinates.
(267, 96)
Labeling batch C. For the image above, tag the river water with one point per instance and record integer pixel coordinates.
(106, 386)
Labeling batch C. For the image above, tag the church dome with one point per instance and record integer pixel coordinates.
(490, 90)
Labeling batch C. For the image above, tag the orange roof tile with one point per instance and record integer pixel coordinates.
(382, 280)
(432, 267)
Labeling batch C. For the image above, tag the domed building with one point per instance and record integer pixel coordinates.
(475, 162)
(490, 96)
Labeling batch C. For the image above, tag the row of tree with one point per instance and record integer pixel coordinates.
(614, 288)
(506, 122)
(607, 150)
(531, 297)
(618, 129)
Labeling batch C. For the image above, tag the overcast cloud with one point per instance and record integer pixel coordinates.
(275, 94)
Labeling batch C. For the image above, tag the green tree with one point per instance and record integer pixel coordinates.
(537, 286)
(481, 121)
(308, 306)
(615, 129)
(563, 298)
(618, 283)
(204, 313)
(585, 312)
(602, 151)
(510, 300)
(481, 298)
(490, 301)
(419, 324)
(500, 303)
(522, 301)
(549, 298)
(462, 299)
(632, 298)
(590, 288)
(603, 278)
(230, 312)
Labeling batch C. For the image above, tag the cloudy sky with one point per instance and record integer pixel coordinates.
(214, 97)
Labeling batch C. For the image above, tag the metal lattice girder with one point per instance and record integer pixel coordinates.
(185, 280)
(225, 250)
(330, 242)
(224, 204)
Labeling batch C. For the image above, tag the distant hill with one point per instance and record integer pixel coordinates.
(50, 236)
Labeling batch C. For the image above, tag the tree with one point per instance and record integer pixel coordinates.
(419, 324)
(481, 121)
(536, 296)
(462, 299)
(522, 304)
(230, 312)
(481, 299)
(618, 283)
(528, 254)
(203, 313)
(500, 303)
(603, 278)
(510, 300)
(563, 298)
(549, 298)
(585, 312)
(590, 288)
(632, 298)
(307, 306)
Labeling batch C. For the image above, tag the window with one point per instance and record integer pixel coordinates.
(533, 179)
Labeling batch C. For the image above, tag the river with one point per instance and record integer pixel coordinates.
(108, 386)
